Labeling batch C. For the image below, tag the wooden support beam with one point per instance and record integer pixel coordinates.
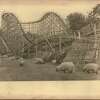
(36, 48)
(5, 44)
(79, 35)
(60, 46)
(95, 45)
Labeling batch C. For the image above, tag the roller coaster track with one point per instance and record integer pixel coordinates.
(49, 24)
(12, 33)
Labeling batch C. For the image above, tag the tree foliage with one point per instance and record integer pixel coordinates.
(93, 15)
(96, 9)
(76, 20)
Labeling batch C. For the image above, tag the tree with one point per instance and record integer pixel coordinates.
(96, 9)
(94, 14)
(76, 21)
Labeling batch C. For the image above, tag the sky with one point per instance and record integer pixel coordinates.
(32, 10)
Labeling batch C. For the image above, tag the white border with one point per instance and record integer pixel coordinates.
(50, 90)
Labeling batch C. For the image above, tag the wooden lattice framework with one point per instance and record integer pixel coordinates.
(87, 48)
(12, 34)
(49, 29)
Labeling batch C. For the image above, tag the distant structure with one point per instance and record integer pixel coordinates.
(12, 34)
(49, 24)
(87, 48)
(51, 31)
(48, 32)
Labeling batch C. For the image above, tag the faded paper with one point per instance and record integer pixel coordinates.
(18, 85)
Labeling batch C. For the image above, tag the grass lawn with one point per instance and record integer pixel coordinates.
(11, 71)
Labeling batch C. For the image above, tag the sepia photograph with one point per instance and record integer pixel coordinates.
(49, 49)
(46, 40)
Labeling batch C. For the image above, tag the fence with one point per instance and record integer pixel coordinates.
(87, 48)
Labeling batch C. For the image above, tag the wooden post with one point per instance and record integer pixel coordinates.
(29, 28)
(79, 35)
(60, 46)
(28, 52)
(95, 44)
(36, 48)
(95, 35)
(5, 44)
(74, 35)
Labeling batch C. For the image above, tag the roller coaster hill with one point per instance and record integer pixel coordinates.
(47, 36)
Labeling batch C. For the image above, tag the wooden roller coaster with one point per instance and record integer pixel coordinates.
(49, 34)
(50, 30)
